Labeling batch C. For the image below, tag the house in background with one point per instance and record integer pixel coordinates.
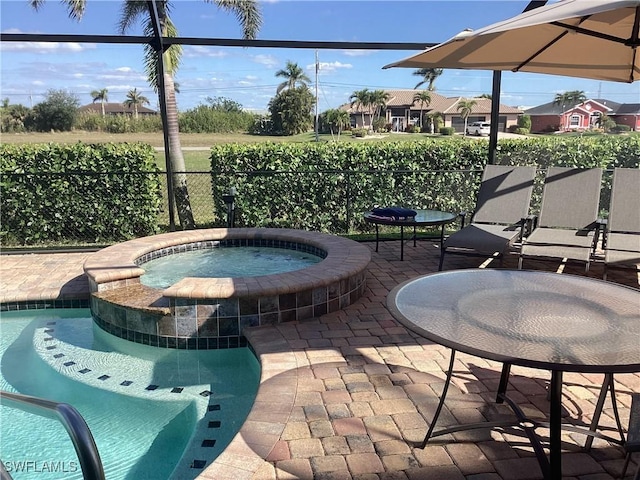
(114, 109)
(400, 111)
(552, 117)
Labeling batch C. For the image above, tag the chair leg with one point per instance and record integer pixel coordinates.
(520, 262)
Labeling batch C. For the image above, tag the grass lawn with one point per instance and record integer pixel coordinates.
(198, 160)
(195, 139)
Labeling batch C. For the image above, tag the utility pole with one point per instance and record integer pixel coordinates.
(316, 123)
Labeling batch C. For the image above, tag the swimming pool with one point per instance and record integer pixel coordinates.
(154, 413)
(223, 262)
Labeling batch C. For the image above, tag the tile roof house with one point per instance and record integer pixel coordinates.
(552, 117)
(400, 111)
(113, 108)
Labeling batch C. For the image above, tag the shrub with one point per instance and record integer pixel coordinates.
(359, 132)
(379, 125)
(524, 121)
(209, 119)
(78, 192)
(57, 112)
(619, 128)
(447, 130)
(521, 131)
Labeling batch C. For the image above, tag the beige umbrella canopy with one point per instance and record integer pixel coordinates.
(595, 39)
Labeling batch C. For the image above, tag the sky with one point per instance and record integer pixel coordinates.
(247, 75)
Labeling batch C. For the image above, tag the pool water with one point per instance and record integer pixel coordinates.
(154, 413)
(224, 262)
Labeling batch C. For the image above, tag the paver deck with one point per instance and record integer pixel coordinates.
(346, 395)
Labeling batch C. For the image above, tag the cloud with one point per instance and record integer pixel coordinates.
(268, 61)
(329, 67)
(46, 48)
(358, 53)
(252, 78)
(195, 51)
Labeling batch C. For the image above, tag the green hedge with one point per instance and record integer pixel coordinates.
(327, 186)
(77, 193)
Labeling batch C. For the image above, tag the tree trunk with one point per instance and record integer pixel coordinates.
(180, 191)
(102, 104)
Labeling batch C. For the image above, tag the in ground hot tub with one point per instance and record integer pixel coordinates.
(211, 312)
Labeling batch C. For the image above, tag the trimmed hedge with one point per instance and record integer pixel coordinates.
(85, 193)
(327, 186)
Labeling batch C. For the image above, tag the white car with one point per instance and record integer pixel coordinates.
(479, 128)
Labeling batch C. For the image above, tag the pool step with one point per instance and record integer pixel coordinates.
(137, 297)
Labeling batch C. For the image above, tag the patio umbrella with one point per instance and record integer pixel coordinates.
(594, 39)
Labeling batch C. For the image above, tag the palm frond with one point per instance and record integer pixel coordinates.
(131, 11)
(246, 11)
(76, 8)
(36, 4)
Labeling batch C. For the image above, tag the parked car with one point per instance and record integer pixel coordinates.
(479, 128)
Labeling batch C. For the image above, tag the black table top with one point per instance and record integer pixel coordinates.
(423, 217)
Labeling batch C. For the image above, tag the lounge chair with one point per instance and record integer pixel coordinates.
(502, 206)
(568, 216)
(621, 241)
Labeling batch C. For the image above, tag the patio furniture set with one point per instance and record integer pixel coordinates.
(560, 323)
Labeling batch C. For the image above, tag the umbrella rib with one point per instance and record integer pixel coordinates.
(593, 33)
(526, 62)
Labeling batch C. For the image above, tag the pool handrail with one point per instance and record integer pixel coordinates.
(72, 421)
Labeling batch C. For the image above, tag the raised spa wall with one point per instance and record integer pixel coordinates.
(210, 313)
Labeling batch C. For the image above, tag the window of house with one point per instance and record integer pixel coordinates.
(574, 121)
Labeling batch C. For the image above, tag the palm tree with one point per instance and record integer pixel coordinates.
(337, 118)
(424, 98)
(248, 14)
(572, 98)
(378, 100)
(134, 100)
(362, 100)
(101, 95)
(293, 75)
(465, 107)
(429, 75)
(436, 118)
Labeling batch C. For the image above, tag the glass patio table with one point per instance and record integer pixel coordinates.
(423, 218)
(550, 321)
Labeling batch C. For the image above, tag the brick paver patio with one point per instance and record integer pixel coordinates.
(347, 395)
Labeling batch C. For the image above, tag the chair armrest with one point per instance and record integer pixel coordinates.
(601, 229)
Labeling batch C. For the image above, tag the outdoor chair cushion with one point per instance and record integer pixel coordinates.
(559, 243)
(623, 248)
(484, 238)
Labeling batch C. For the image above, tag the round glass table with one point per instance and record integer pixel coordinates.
(556, 322)
(423, 218)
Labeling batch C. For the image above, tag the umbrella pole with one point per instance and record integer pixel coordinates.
(495, 116)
